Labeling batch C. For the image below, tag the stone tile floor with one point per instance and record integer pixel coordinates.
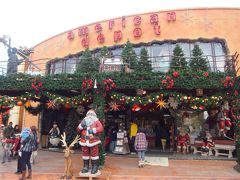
(50, 166)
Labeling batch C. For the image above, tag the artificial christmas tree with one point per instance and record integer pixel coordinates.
(104, 52)
(87, 63)
(197, 61)
(178, 60)
(129, 55)
(144, 65)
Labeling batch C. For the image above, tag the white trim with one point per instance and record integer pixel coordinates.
(89, 144)
(95, 158)
(92, 144)
(85, 157)
(82, 143)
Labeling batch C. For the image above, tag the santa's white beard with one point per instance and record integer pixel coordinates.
(90, 120)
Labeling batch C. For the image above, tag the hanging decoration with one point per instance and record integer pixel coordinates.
(37, 84)
(161, 103)
(51, 104)
(114, 106)
(175, 74)
(136, 107)
(27, 104)
(19, 103)
(172, 103)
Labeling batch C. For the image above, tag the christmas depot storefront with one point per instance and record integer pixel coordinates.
(137, 71)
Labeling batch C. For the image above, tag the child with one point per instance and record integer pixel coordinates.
(141, 146)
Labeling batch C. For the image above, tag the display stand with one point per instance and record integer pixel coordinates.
(122, 146)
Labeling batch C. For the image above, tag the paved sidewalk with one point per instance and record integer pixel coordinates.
(50, 166)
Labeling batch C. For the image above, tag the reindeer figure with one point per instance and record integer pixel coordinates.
(127, 69)
(68, 171)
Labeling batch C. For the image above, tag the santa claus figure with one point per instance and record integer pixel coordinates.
(90, 128)
(224, 121)
(182, 141)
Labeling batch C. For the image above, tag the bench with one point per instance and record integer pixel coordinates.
(226, 145)
(198, 144)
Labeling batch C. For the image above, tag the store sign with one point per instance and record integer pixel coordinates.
(83, 32)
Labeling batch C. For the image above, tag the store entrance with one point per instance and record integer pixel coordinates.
(159, 129)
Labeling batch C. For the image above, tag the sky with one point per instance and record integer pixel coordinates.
(29, 22)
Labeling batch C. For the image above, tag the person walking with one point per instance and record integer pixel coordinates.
(28, 143)
(141, 146)
(133, 132)
(7, 142)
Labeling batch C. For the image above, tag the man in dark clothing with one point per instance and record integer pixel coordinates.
(8, 132)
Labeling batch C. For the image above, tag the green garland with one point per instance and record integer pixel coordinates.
(148, 80)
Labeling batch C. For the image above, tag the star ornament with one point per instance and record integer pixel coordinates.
(161, 103)
(114, 106)
(51, 104)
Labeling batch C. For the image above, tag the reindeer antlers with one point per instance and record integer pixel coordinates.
(64, 139)
(65, 143)
(74, 141)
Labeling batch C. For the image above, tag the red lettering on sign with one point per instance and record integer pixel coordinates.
(171, 16)
(117, 36)
(98, 28)
(83, 31)
(111, 24)
(154, 19)
(137, 32)
(123, 21)
(137, 20)
(85, 42)
(100, 38)
(157, 29)
(70, 35)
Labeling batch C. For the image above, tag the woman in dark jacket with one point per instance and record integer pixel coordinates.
(28, 144)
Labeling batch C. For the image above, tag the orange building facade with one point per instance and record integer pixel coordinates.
(221, 24)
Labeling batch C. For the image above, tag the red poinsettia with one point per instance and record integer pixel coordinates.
(205, 74)
(175, 74)
(168, 82)
(87, 84)
(36, 84)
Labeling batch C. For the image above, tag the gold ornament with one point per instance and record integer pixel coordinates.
(28, 104)
(161, 103)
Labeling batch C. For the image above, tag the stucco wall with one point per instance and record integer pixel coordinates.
(189, 24)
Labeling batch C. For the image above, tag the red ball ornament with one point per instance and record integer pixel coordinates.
(238, 125)
(175, 74)
(228, 78)
(205, 74)
(19, 103)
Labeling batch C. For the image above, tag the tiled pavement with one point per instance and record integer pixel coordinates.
(50, 165)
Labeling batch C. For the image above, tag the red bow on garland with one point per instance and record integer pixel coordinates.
(87, 84)
(37, 84)
(168, 82)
